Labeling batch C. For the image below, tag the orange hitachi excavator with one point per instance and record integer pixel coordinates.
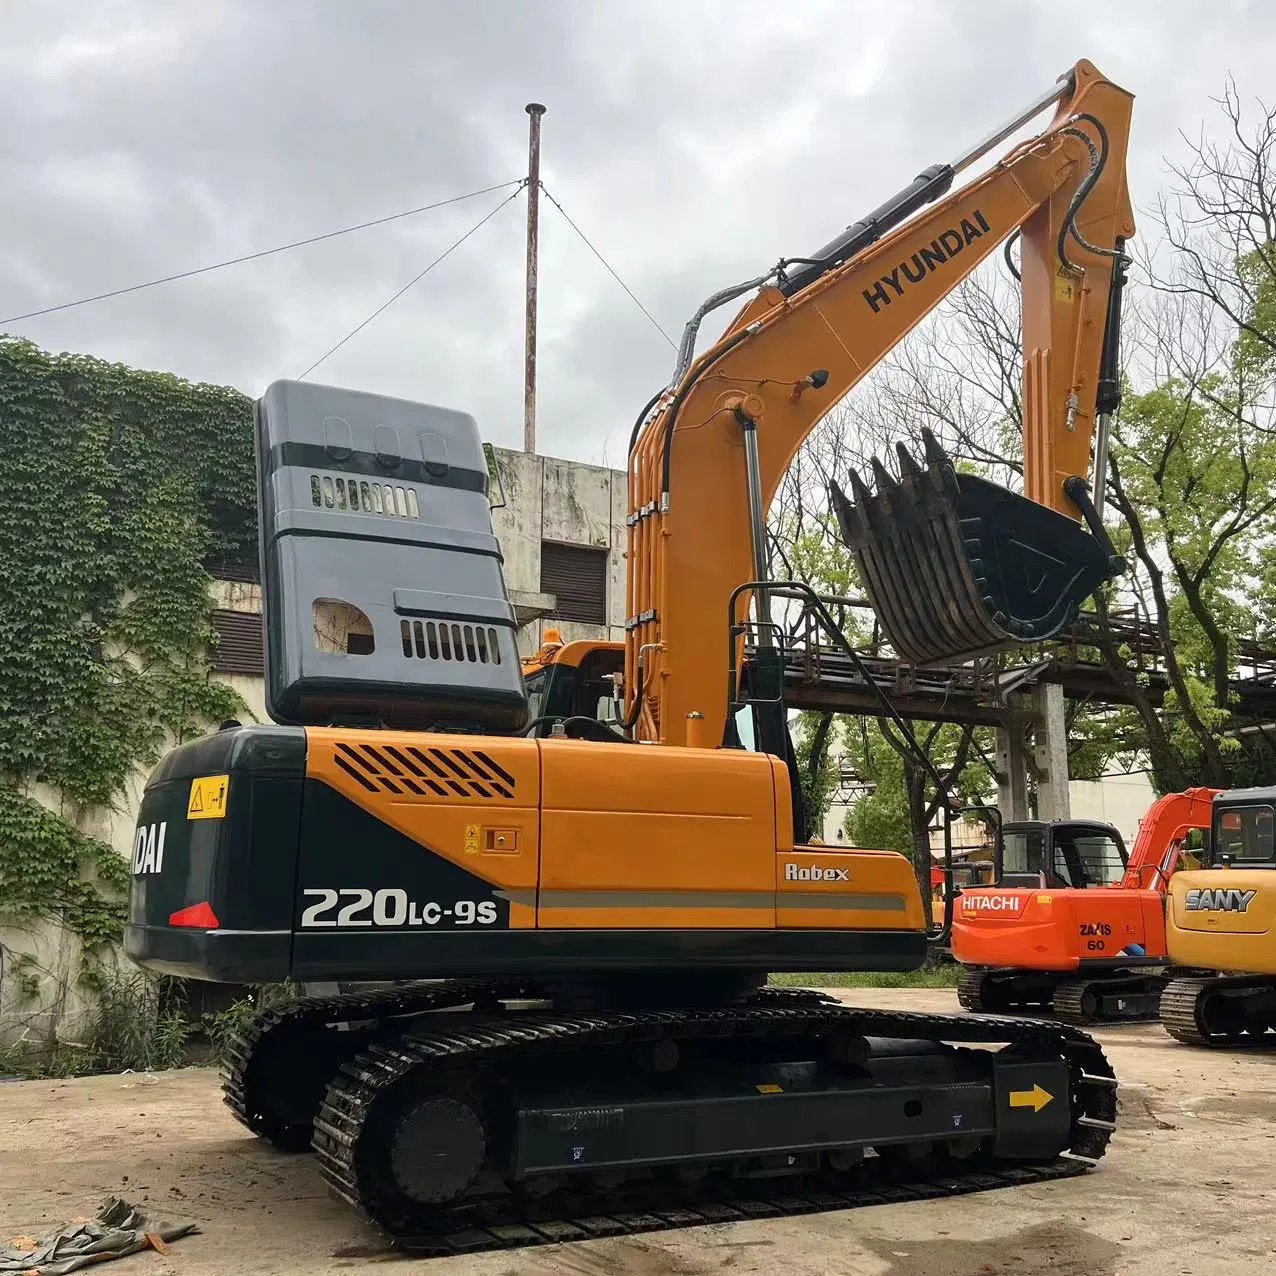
(580, 916)
(1072, 925)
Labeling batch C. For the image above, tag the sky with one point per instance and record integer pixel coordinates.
(693, 141)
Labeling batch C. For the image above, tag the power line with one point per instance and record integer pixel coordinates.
(386, 305)
(265, 252)
(607, 265)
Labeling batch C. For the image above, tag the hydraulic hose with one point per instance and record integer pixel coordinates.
(671, 413)
(1098, 160)
(1010, 261)
(642, 417)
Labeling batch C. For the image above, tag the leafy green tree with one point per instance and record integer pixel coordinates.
(816, 747)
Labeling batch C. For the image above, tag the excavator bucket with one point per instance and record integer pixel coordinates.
(957, 567)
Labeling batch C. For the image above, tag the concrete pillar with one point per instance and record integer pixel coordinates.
(1050, 752)
(1012, 771)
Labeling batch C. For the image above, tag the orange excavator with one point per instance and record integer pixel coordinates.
(1073, 925)
(580, 914)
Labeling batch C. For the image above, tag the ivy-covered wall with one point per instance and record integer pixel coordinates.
(118, 488)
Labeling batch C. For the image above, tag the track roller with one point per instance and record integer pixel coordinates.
(1075, 1001)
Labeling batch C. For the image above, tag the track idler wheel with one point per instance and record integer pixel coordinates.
(437, 1149)
(958, 567)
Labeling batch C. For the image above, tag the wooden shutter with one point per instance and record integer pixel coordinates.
(577, 576)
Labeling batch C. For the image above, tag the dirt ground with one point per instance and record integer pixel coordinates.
(1188, 1187)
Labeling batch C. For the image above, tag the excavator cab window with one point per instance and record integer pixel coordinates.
(1088, 857)
(587, 690)
(1022, 856)
(746, 728)
(536, 686)
(1244, 835)
(1061, 855)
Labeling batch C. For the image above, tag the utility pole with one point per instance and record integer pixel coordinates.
(534, 110)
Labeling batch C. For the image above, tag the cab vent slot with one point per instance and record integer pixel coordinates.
(443, 772)
(478, 770)
(496, 766)
(437, 789)
(356, 757)
(437, 640)
(361, 497)
(349, 770)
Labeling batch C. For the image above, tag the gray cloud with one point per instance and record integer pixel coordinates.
(694, 142)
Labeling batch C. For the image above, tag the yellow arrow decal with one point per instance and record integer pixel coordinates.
(1036, 1098)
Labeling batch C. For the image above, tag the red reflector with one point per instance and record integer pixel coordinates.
(200, 915)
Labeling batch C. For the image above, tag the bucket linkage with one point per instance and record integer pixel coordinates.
(958, 567)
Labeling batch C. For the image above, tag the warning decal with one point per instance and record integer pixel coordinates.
(208, 798)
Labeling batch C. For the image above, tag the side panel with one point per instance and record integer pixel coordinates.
(1152, 904)
(850, 889)
(472, 802)
(1221, 919)
(644, 836)
(1051, 930)
(1105, 922)
(216, 846)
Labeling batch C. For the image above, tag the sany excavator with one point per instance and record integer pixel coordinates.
(1072, 924)
(582, 921)
(1219, 930)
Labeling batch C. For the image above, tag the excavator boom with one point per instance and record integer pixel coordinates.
(953, 565)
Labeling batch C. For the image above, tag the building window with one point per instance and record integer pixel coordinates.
(577, 576)
(239, 646)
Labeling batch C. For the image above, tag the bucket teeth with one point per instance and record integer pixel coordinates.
(935, 454)
(908, 467)
(957, 567)
(886, 481)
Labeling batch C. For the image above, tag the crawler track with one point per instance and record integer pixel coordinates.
(1115, 996)
(1220, 1010)
(394, 1038)
(279, 1065)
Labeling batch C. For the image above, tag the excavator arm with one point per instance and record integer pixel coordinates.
(1169, 820)
(939, 553)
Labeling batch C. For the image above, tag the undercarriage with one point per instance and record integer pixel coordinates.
(463, 1116)
(1109, 994)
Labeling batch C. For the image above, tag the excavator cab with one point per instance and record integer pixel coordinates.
(958, 567)
(1060, 855)
(574, 680)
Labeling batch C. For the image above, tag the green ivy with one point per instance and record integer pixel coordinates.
(118, 489)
